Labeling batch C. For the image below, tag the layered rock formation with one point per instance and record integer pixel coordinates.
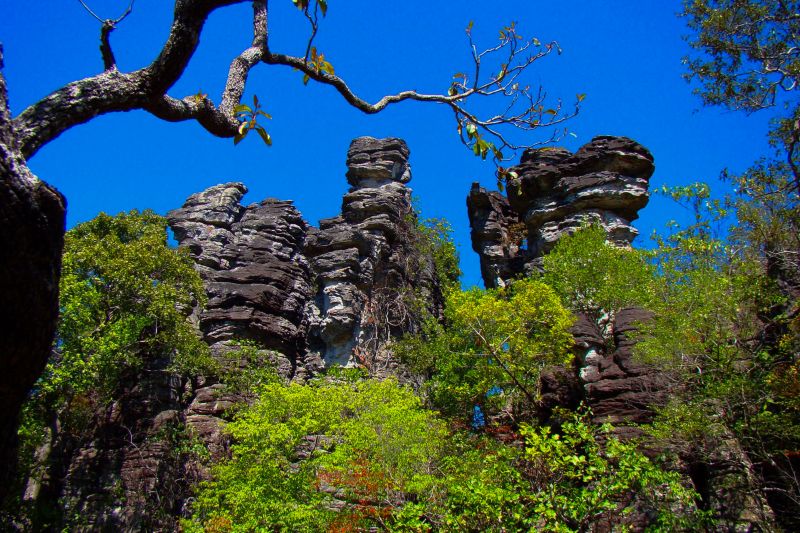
(314, 296)
(306, 297)
(555, 193)
(366, 262)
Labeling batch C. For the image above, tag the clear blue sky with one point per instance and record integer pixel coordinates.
(624, 54)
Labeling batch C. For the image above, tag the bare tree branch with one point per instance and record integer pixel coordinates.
(147, 88)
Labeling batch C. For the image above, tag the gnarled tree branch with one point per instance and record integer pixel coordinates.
(147, 88)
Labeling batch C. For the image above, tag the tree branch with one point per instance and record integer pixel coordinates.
(147, 88)
(82, 100)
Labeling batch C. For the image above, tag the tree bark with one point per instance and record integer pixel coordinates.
(31, 242)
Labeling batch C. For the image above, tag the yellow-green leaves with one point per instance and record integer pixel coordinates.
(302, 5)
(300, 446)
(319, 63)
(248, 122)
(494, 347)
(594, 276)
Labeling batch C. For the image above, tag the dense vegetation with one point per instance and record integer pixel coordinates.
(125, 297)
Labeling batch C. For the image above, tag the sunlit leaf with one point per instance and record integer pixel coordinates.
(264, 135)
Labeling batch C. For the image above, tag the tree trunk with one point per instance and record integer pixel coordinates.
(31, 242)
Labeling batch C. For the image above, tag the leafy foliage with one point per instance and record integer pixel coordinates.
(595, 277)
(494, 348)
(300, 447)
(125, 295)
(723, 329)
(580, 482)
(437, 242)
(389, 463)
(248, 121)
(749, 50)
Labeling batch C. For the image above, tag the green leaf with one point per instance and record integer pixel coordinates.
(264, 135)
(238, 138)
(306, 77)
(581, 97)
(242, 108)
(323, 6)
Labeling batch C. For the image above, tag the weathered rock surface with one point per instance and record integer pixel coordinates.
(554, 194)
(315, 296)
(250, 258)
(367, 264)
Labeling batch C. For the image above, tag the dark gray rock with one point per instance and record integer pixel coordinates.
(554, 194)
(367, 263)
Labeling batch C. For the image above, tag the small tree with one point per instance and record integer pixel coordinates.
(596, 277)
(493, 347)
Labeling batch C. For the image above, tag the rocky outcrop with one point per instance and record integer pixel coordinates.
(251, 260)
(367, 263)
(553, 194)
(313, 296)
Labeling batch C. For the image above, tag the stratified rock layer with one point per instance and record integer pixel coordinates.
(315, 296)
(366, 262)
(554, 194)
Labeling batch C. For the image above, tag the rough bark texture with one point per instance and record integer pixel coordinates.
(32, 238)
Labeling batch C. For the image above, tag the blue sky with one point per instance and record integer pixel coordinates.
(625, 55)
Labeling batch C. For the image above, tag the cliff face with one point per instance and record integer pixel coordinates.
(313, 296)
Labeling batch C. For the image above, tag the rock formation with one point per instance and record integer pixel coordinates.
(313, 296)
(555, 193)
(552, 193)
(307, 297)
